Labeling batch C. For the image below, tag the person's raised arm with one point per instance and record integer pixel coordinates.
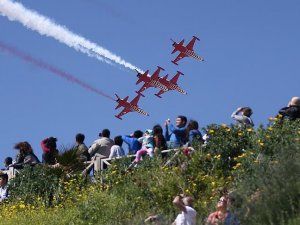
(179, 203)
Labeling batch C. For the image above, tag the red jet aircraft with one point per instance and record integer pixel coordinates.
(185, 50)
(171, 84)
(150, 81)
(129, 106)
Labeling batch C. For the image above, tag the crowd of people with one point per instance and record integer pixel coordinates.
(171, 136)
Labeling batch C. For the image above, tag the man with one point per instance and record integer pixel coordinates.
(82, 150)
(102, 145)
(176, 136)
(3, 186)
(188, 215)
(292, 111)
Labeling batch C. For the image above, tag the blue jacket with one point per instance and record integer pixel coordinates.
(176, 136)
(133, 144)
(195, 135)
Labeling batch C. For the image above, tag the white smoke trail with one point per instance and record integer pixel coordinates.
(45, 26)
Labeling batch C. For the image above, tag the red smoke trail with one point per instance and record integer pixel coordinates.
(51, 69)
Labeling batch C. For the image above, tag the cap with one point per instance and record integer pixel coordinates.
(149, 131)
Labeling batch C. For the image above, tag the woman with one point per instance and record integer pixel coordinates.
(25, 156)
(193, 134)
(222, 215)
(242, 116)
(49, 151)
(159, 139)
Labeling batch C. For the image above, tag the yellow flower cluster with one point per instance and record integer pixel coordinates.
(237, 166)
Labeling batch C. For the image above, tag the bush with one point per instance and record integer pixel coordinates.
(259, 168)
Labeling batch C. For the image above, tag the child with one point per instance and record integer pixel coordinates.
(147, 147)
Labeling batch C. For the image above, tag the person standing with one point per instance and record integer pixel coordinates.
(187, 215)
(50, 151)
(193, 133)
(116, 151)
(292, 111)
(159, 139)
(176, 135)
(82, 149)
(242, 116)
(26, 155)
(102, 145)
(132, 141)
(7, 162)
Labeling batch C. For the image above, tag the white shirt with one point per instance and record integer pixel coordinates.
(3, 193)
(186, 218)
(116, 151)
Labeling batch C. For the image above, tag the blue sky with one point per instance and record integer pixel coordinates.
(251, 51)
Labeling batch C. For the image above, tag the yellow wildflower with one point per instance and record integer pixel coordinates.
(242, 155)
(237, 166)
(217, 156)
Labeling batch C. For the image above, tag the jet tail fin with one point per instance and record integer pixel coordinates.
(139, 93)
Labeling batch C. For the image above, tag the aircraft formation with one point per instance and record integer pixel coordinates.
(158, 82)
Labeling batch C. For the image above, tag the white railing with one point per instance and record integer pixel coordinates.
(102, 163)
(99, 163)
(11, 172)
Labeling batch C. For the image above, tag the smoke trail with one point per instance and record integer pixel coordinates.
(45, 26)
(50, 68)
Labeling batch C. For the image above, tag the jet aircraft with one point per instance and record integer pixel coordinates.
(150, 81)
(185, 51)
(171, 84)
(129, 106)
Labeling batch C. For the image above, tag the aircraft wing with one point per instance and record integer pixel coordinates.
(190, 45)
(144, 87)
(179, 57)
(164, 81)
(158, 94)
(155, 75)
(135, 100)
(175, 78)
(123, 112)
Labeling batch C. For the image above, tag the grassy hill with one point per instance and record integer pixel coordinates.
(260, 168)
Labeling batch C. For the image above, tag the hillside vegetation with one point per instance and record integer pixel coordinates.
(259, 167)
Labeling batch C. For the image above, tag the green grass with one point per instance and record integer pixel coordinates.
(260, 167)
